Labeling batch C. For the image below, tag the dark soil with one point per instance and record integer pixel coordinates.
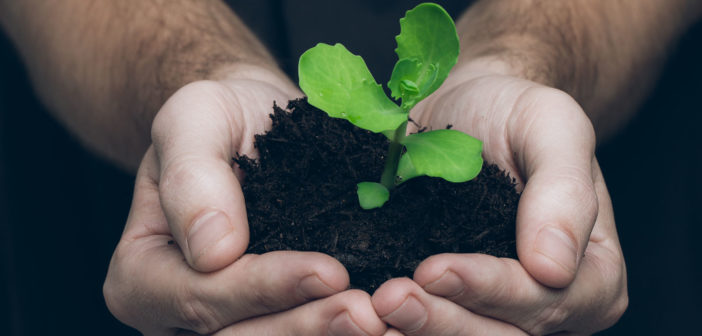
(301, 195)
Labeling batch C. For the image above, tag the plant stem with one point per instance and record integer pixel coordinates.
(394, 153)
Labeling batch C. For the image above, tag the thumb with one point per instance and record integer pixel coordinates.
(558, 206)
(199, 192)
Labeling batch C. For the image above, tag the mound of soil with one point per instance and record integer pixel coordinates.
(301, 195)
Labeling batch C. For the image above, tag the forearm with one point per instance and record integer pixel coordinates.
(105, 67)
(606, 54)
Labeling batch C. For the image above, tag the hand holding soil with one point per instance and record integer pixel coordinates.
(165, 276)
(148, 260)
(551, 265)
(570, 260)
(185, 240)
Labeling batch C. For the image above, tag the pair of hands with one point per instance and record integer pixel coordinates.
(570, 278)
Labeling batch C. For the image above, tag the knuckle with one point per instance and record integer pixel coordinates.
(544, 104)
(160, 126)
(114, 300)
(481, 290)
(180, 172)
(195, 314)
(554, 96)
(269, 296)
(574, 183)
(550, 99)
(193, 96)
(188, 184)
(615, 312)
(264, 293)
(117, 290)
(586, 317)
(266, 299)
(200, 86)
(550, 320)
(188, 174)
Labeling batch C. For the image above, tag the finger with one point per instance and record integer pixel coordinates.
(490, 286)
(406, 306)
(200, 195)
(346, 313)
(554, 144)
(164, 292)
(393, 332)
(501, 288)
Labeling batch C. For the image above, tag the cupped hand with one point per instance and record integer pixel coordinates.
(180, 264)
(570, 276)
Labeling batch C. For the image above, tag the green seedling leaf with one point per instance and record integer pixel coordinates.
(409, 86)
(411, 82)
(339, 83)
(390, 134)
(372, 195)
(449, 154)
(427, 48)
(405, 169)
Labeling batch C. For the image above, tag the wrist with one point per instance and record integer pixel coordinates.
(539, 67)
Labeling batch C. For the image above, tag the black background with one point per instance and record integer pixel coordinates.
(62, 209)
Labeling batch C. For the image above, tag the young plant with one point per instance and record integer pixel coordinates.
(339, 83)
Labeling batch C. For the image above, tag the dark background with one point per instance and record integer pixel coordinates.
(62, 209)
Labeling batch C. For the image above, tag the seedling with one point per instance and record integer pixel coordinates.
(339, 83)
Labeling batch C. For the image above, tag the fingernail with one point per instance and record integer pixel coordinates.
(311, 287)
(557, 246)
(207, 231)
(409, 317)
(448, 285)
(343, 325)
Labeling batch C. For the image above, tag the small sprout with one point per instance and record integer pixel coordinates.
(339, 83)
(372, 195)
(408, 87)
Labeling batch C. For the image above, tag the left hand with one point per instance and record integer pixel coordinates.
(570, 276)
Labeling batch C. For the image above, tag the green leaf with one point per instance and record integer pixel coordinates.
(409, 86)
(449, 154)
(427, 48)
(410, 82)
(405, 169)
(339, 83)
(390, 134)
(372, 195)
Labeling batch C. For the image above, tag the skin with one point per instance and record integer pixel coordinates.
(571, 277)
(566, 238)
(532, 98)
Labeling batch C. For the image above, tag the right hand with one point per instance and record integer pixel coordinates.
(179, 266)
